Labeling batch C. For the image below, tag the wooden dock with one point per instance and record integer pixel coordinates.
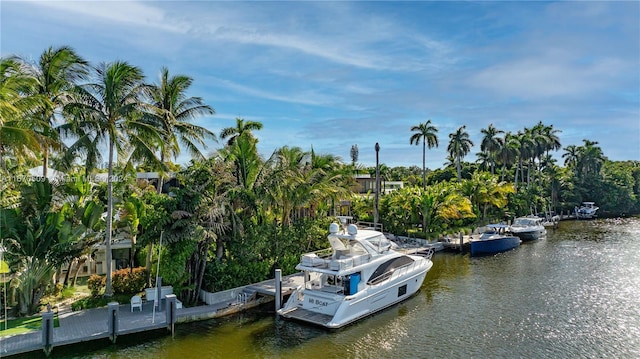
(93, 324)
(459, 244)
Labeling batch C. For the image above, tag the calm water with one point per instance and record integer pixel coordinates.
(574, 294)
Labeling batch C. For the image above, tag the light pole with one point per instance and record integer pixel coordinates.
(4, 270)
(375, 208)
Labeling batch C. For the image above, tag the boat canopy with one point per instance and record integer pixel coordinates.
(497, 225)
(527, 221)
(358, 241)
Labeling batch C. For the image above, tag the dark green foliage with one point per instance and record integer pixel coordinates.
(266, 248)
(40, 235)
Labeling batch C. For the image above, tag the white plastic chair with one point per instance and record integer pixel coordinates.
(136, 302)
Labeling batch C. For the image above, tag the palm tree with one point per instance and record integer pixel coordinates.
(571, 156)
(459, 146)
(485, 191)
(110, 109)
(525, 151)
(242, 150)
(553, 141)
(16, 133)
(491, 144)
(590, 159)
(172, 112)
(509, 152)
(484, 161)
(56, 72)
(426, 133)
(241, 128)
(40, 235)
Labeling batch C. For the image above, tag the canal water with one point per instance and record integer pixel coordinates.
(573, 294)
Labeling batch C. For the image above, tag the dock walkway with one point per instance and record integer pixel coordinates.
(92, 324)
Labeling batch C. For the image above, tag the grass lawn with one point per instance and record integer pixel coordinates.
(24, 325)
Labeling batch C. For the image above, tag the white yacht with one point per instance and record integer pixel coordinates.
(528, 228)
(587, 210)
(363, 272)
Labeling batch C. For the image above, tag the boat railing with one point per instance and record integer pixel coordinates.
(325, 259)
(370, 225)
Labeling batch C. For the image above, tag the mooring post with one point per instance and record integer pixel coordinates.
(278, 289)
(113, 309)
(171, 313)
(461, 241)
(47, 332)
(159, 294)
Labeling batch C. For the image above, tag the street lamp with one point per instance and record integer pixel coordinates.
(375, 209)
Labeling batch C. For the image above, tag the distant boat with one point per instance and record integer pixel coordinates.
(587, 210)
(528, 228)
(495, 239)
(359, 275)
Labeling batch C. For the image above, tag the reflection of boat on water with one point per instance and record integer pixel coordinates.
(495, 239)
(586, 211)
(359, 275)
(528, 228)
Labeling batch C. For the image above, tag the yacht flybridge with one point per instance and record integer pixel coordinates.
(363, 272)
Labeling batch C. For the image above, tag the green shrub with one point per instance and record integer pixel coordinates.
(126, 281)
(96, 284)
(67, 292)
(98, 302)
(54, 289)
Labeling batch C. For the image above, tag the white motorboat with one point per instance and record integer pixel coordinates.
(528, 228)
(587, 210)
(362, 273)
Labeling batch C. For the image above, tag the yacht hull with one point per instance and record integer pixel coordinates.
(349, 309)
(530, 235)
(492, 246)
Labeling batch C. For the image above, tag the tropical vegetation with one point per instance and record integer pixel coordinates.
(232, 216)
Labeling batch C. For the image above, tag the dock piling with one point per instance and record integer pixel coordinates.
(278, 283)
(113, 309)
(47, 332)
(171, 313)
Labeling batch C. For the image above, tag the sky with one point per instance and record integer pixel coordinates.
(330, 75)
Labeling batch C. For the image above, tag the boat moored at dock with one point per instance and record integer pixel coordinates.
(587, 210)
(359, 275)
(528, 228)
(495, 239)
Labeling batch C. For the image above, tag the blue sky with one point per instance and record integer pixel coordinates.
(334, 74)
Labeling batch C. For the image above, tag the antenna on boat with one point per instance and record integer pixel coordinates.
(344, 221)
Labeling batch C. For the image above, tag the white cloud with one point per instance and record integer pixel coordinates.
(538, 78)
(123, 12)
(306, 97)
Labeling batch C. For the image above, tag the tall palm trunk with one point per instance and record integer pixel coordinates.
(160, 175)
(45, 162)
(107, 290)
(424, 171)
